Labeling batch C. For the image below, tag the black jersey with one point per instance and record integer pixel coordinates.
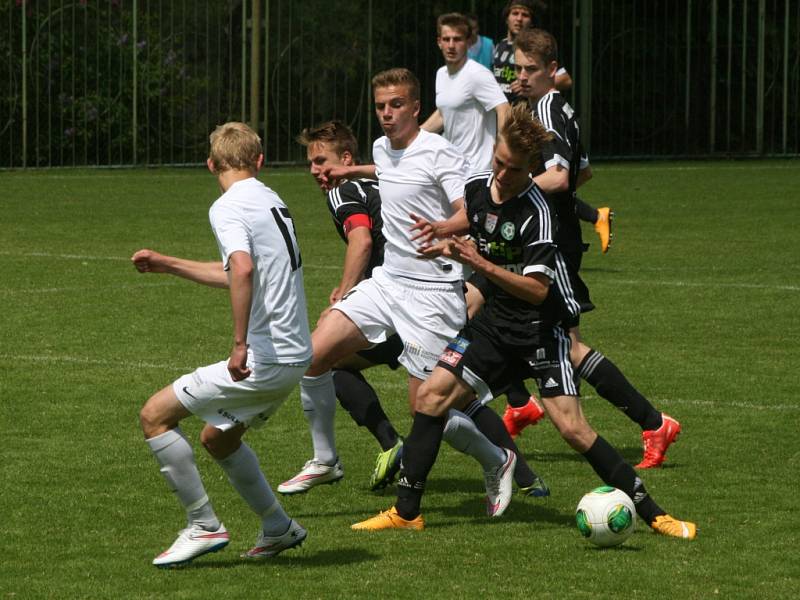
(559, 118)
(356, 199)
(503, 68)
(517, 235)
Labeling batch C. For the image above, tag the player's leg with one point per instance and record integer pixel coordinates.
(601, 218)
(433, 400)
(204, 533)
(566, 414)
(658, 430)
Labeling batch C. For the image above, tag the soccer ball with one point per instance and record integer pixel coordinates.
(606, 516)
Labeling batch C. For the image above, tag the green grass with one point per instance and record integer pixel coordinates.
(698, 302)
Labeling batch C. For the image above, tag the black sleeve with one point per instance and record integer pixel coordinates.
(345, 201)
(558, 150)
(538, 247)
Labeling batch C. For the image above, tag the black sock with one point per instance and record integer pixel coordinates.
(359, 399)
(614, 471)
(491, 425)
(604, 376)
(517, 394)
(419, 453)
(585, 212)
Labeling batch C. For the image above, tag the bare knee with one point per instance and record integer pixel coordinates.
(221, 444)
(153, 422)
(431, 401)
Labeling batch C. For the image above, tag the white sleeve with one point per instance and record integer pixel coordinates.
(231, 232)
(451, 170)
(486, 89)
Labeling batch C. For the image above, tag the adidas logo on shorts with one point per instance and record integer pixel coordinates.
(550, 383)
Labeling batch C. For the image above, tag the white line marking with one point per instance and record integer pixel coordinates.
(632, 167)
(749, 286)
(720, 404)
(64, 256)
(83, 288)
(91, 361)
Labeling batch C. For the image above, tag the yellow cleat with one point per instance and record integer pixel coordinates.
(390, 520)
(605, 217)
(666, 525)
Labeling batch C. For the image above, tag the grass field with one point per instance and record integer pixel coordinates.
(698, 303)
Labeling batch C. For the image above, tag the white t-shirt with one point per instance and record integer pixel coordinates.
(251, 218)
(424, 179)
(466, 100)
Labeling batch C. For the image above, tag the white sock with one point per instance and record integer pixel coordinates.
(318, 397)
(246, 477)
(174, 453)
(462, 434)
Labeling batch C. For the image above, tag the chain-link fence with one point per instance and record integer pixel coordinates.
(123, 82)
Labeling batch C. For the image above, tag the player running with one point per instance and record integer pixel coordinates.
(261, 266)
(515, 335)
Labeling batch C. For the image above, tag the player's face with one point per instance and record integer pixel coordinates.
(519, 18)
(511, 170)
(320, 156)
(397, 113)
(535, 77)
(453, 44)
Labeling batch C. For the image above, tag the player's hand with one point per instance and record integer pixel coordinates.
(148, 261)
(464, 251)
(333, 175)
(335, 296)
(516, 86)
(433, 251)
(237, 363)
(425, 230)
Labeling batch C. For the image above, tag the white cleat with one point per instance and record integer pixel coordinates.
(499, 485)
(267, 546)
(313, 473)
(191, 543)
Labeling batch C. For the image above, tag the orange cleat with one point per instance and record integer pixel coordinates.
(605, 218)
(389, 520)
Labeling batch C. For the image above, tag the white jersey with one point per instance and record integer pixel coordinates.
(466, 100)
(251, 218)
(425, 179)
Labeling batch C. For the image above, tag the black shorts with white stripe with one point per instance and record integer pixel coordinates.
(579, 289)
(488, 363)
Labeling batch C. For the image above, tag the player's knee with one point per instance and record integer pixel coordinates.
(151, 422)
(431, 401)
(219, 444)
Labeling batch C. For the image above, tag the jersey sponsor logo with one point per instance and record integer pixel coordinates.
(507, 230)
(227, 415)
(490, 223)
(499, 249)
(458, 344)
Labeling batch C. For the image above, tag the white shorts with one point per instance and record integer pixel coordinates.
(425, 314)
(211, 394)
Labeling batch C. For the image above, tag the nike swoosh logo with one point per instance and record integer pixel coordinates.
(427, 370)
(186, 391)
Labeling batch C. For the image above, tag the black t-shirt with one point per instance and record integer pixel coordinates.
(355, 200)
(503, 68)
(559, 118)
(517, 235)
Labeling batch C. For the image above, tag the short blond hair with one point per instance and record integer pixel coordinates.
(524, 134)
(397, 77)
(236, 146)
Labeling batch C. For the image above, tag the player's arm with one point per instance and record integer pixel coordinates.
(240, 272)
(206, 273)
(338, 173)
(434, 123)
(356, 260)
(502, 111)
(584, 175)
(424, 231)
(532, 288)
(563, 80)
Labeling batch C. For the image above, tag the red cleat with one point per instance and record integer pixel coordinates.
(517, 419)
(656, 442)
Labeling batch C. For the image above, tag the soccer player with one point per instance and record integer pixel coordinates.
(518, 15)
(469, 103)
(565, 168)
(261, 266)
(481, 48)
(515, 335)
(421, 177)
(355, 207)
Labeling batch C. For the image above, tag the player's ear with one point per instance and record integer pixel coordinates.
(210, 165)
(347, 158)
(259, 162)
(552, 68)
(416, 108)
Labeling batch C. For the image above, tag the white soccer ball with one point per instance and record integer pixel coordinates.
(606, 516)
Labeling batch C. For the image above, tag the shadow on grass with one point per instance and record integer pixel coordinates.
(324, 558)
(523, 511)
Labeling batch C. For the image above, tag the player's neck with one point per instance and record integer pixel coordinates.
(500, 197)
(453, 68)
(405, 141)
(535, 99)
(227, 178)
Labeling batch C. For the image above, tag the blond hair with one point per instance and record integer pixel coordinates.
(397, 77)
(537, 42)
(234, 146)
(523, 134)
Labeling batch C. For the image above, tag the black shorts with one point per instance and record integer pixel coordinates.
(486, 363)
(385, 353)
